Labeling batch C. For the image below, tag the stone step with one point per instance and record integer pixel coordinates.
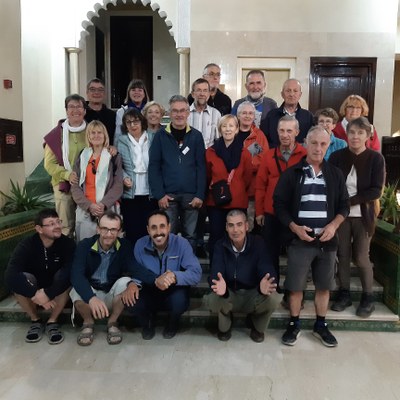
(382, 319)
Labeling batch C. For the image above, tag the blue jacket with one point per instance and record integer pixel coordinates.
(177, 170)
(243, 271)
(178, 257)
(128, 162)
(87, 259)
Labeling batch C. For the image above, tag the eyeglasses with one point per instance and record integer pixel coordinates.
(58, 222)
(93, 164)
(96, 90)
(71, 107)
(105, 230)
(199, 91)
(133, 122)
(214, 74)
(354, 107)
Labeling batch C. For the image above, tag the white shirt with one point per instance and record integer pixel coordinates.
(206, 122)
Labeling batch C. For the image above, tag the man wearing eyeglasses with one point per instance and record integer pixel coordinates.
(38, 275)
(177, 170)
(96, 109)
(217, 99)
(105, 278)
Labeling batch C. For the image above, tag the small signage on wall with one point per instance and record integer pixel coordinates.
(10, 141)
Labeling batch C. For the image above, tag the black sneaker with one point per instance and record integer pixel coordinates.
(325, 336)
(342, 301)
(224, 336)
(291, 335)
(366, 306)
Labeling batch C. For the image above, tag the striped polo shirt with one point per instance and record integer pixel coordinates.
(313, 204)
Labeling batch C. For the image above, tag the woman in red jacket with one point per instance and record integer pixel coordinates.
(227, 160)
(353, 107)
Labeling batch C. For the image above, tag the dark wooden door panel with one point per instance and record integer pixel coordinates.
(332, 79)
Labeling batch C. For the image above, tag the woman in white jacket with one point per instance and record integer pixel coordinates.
(133, 146)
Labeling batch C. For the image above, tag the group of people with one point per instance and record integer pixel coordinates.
(267, 178)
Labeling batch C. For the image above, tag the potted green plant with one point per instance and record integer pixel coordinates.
(390, 208)
(385, 247)
(18, 213)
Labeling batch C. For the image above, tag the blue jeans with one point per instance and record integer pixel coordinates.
(183, 216)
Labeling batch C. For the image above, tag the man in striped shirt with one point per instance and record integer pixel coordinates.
(205, 119)
(311, 200)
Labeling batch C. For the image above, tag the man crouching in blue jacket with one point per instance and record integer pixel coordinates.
(242, 279)
(175, 267)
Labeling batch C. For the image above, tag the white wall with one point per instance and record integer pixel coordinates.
(10, 68)
(360, 28)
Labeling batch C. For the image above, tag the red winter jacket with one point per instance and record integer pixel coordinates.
(268, 176)
(255, 138)
(240, 183)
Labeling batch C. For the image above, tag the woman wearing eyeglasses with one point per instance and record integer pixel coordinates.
(99, 186)
(136, 202)
(353, 107)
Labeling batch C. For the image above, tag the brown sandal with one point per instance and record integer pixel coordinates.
(85, 337)
(114, 335)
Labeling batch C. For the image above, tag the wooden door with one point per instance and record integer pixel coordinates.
(332, 79)
(131, 54)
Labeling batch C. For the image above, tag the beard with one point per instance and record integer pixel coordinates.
(256, 95)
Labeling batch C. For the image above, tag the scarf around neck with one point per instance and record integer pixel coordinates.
(230, 155)
(66, 129)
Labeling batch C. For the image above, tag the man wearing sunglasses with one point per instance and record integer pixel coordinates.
(105, 278)
(38, 275)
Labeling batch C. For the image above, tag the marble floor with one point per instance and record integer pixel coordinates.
(196, 366)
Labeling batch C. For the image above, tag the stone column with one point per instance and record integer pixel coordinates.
(184, 73)
(73, 58)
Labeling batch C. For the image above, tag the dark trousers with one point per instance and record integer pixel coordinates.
(175, 301)
(272, 236)
(135, 212)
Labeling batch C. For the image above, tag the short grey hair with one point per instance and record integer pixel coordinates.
(178, 98)
(287, 117)
(244, 104)
(235, 213)
(315, 129)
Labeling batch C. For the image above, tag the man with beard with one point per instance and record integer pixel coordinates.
(175, 268)
(291, 93)
(38, 275)
(256, 88)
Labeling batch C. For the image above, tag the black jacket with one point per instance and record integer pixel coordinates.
(287, 195)
(245, 270)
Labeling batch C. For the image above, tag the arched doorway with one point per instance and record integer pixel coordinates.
(126, 41)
